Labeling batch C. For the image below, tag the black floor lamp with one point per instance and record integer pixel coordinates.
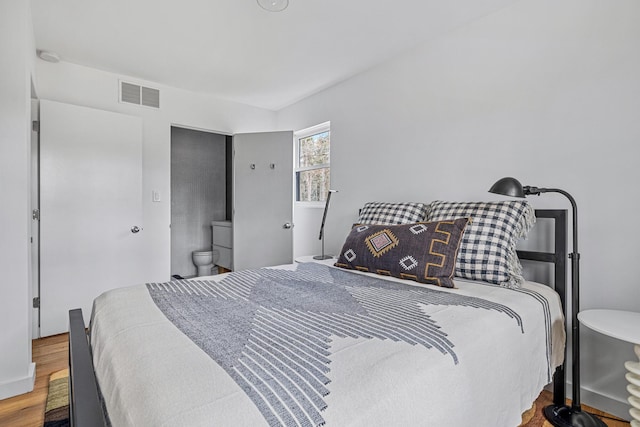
(561, 415)
(324, 218)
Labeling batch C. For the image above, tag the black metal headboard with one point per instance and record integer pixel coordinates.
(559, 259)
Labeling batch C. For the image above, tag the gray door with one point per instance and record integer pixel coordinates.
(90, 204)
(262, 199)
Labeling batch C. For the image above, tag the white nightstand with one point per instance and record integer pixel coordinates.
(625, 326)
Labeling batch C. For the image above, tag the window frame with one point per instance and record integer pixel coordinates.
(297, 136)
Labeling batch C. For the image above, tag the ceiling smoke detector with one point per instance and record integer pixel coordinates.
(47, 55)
(273, 5)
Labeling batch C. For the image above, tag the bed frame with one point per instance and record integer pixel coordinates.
(558, 258)
(85, 404)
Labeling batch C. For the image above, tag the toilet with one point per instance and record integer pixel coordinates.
(204, 261)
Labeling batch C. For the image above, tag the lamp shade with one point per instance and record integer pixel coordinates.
(508, 187)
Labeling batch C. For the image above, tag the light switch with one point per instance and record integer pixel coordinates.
(155, 196)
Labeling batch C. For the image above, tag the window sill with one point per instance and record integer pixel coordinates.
(310, 205)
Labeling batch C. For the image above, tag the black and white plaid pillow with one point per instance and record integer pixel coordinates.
(392, 213)
(488, 249)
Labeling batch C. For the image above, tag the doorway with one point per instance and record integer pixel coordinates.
(200, 193)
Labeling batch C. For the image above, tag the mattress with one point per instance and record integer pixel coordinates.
(368, 350)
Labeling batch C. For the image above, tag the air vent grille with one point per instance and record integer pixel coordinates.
(139, 95)
(150, 97)
(130, 93)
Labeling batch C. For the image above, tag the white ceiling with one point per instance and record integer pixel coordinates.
(235, 50)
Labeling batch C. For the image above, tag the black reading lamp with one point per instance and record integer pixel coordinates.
(324, 218)
(561, 415)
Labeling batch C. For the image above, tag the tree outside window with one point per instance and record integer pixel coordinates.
(313, 165)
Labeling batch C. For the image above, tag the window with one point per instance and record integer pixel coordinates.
(313, 163)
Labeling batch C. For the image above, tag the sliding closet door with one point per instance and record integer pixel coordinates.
(262, 199)
(90, 194)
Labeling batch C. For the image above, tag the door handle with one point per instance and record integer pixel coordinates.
(287, 225)
(135, 229)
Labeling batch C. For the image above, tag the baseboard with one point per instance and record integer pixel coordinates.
(20, 385)
(608, 404)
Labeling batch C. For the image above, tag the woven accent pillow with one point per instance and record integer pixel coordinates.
(424, 252)
(392, 213)
(488, 249)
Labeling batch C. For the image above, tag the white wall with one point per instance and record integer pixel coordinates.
(89, 87)
(544, 91)
(17, 52)
(307, 217)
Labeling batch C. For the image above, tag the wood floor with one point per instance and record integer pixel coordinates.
(535, 416)
(51, 354)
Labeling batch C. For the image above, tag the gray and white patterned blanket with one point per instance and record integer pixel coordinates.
(271, 329)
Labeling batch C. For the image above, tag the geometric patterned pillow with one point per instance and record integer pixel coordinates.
(488, 249)
(424, 251)
(392, 213)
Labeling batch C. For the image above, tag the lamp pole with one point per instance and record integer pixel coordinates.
(575, 300)
(324, 218)
(561, 415)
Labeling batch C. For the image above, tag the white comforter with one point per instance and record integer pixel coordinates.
(151, 374)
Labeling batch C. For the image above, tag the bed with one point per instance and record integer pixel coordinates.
(313, 344)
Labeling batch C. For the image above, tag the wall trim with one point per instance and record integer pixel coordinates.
(20, 385)
(608, 404)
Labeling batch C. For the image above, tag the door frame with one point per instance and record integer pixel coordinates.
(35, 217)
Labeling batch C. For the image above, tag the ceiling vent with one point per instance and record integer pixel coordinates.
(139, 95)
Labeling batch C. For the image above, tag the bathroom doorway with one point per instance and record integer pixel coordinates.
(200, 193)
